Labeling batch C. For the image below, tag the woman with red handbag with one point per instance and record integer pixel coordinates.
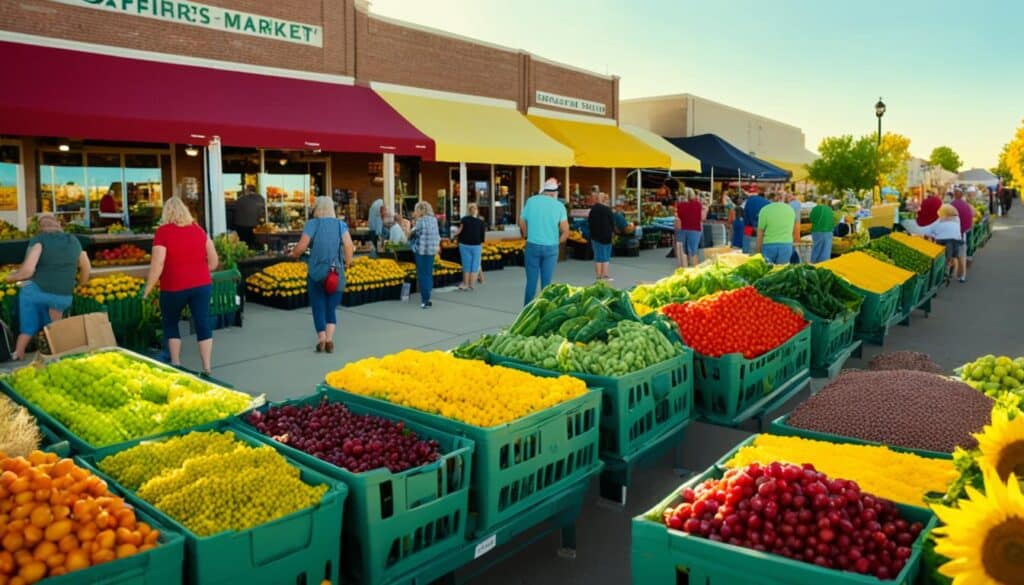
(330, 252)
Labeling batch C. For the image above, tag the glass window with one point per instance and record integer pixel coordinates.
(62, 184)
(105, 188)
(10, 162)
(287, 186)
(144, 189)
(240, 167)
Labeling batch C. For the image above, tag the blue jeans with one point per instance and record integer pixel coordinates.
(602, 252)
(777, 253)
(34, 306)
(539, 261)
(690, 239)
(323, 305)
(425, 275)
(198, 301)
(470, 256)
(749, 242)
(822, 247)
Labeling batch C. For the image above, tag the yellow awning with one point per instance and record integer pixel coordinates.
(464, 131)
(799, 170)
(602, 145)
(680, 161)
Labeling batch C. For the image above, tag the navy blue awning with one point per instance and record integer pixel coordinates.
(727, 161)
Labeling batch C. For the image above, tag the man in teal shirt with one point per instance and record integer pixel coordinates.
(776, 231)
(545, 225)
(823, 223)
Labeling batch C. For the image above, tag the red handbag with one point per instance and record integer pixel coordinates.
(332, 281)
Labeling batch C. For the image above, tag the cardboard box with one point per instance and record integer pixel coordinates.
(79, 334)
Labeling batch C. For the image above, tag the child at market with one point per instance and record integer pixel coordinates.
(946, 231)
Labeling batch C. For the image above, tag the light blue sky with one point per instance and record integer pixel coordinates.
(951, 72)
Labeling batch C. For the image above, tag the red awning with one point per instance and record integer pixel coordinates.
(58, 92)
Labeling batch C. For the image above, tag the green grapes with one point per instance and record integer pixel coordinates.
(210, 482)
(110, 397)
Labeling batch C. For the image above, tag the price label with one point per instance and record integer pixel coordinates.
(486, 546)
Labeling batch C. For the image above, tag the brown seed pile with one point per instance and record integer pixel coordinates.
(902, 408)
(905, 360)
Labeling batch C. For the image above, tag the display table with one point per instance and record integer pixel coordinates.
(276, 241)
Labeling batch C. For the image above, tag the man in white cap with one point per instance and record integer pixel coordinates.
(545, 225)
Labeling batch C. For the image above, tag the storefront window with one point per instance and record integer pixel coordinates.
(101, 188)
(62, 185)
(10, 164)
(290, 184)
(144, 188)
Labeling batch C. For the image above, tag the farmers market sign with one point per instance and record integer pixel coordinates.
(213, 17)
(570, 103)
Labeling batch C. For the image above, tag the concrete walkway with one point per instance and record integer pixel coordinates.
(273, 354)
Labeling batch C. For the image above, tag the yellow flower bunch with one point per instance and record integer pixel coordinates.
(283, 279)
(103, 289)
(504, 246)
(867, 273)
(488, 254)
(930, 249)
(8, 289)
(469, 391)
(901, 477)
(368, 273)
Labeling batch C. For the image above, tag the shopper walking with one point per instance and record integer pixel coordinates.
(375, 221)
(601, 222)
(330, 253)
(425, 241)
(545, 225)
(946, 232)
(776, 231)
(183, 257)
(966, 213)
(50, 264)
(690, 214)
(751, 212)
(249, 210)
(470, 235)
(823, 224)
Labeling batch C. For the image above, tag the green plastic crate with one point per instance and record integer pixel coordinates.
(637, 409)
(661, 556)
(731, 389)
(161, 565)
(519, 464)
(77, 444)
(394, 521)
(224, 296)
(830, 338)
(302, 547)
(973, 239)
(781, 426)
(910, 293)
(938, 274)
(877, 312)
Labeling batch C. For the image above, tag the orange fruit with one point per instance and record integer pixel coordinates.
(58, 530)
(44, 550)
(75, 560)
(126, 550)
(68, 543)
(41, 516)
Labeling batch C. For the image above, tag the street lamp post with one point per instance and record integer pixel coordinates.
(879, 112)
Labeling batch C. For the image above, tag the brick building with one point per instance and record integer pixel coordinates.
(295, 98)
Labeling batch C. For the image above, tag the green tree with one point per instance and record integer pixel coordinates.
(892, 161)
(846, 163)
(946, 158)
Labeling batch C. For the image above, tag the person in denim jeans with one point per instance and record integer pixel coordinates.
(425, 241)
(471, 233)
(545, 225)
(776, 231)
(50, 261)
(330, 245)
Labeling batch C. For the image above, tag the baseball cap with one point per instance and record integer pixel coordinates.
(551, 185)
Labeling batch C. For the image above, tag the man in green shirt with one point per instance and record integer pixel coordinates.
(777, 229)
(823, 223)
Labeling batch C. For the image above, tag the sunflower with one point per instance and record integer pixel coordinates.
(1002, 445)
(984, 536)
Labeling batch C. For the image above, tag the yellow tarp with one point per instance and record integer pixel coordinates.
(680, 161)
(867, 272)
(920, 244)
(602, 145)
(799, 170)
(479, 133)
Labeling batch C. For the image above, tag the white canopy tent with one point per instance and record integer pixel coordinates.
(978, 177)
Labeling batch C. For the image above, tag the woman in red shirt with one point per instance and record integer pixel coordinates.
(183, 256)
(690, 214)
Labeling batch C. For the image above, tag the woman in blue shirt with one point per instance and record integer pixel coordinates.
(330, 247)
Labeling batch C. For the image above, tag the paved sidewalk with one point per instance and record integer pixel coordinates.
(273, 354)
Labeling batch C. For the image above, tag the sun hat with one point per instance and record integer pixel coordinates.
(551, 185)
